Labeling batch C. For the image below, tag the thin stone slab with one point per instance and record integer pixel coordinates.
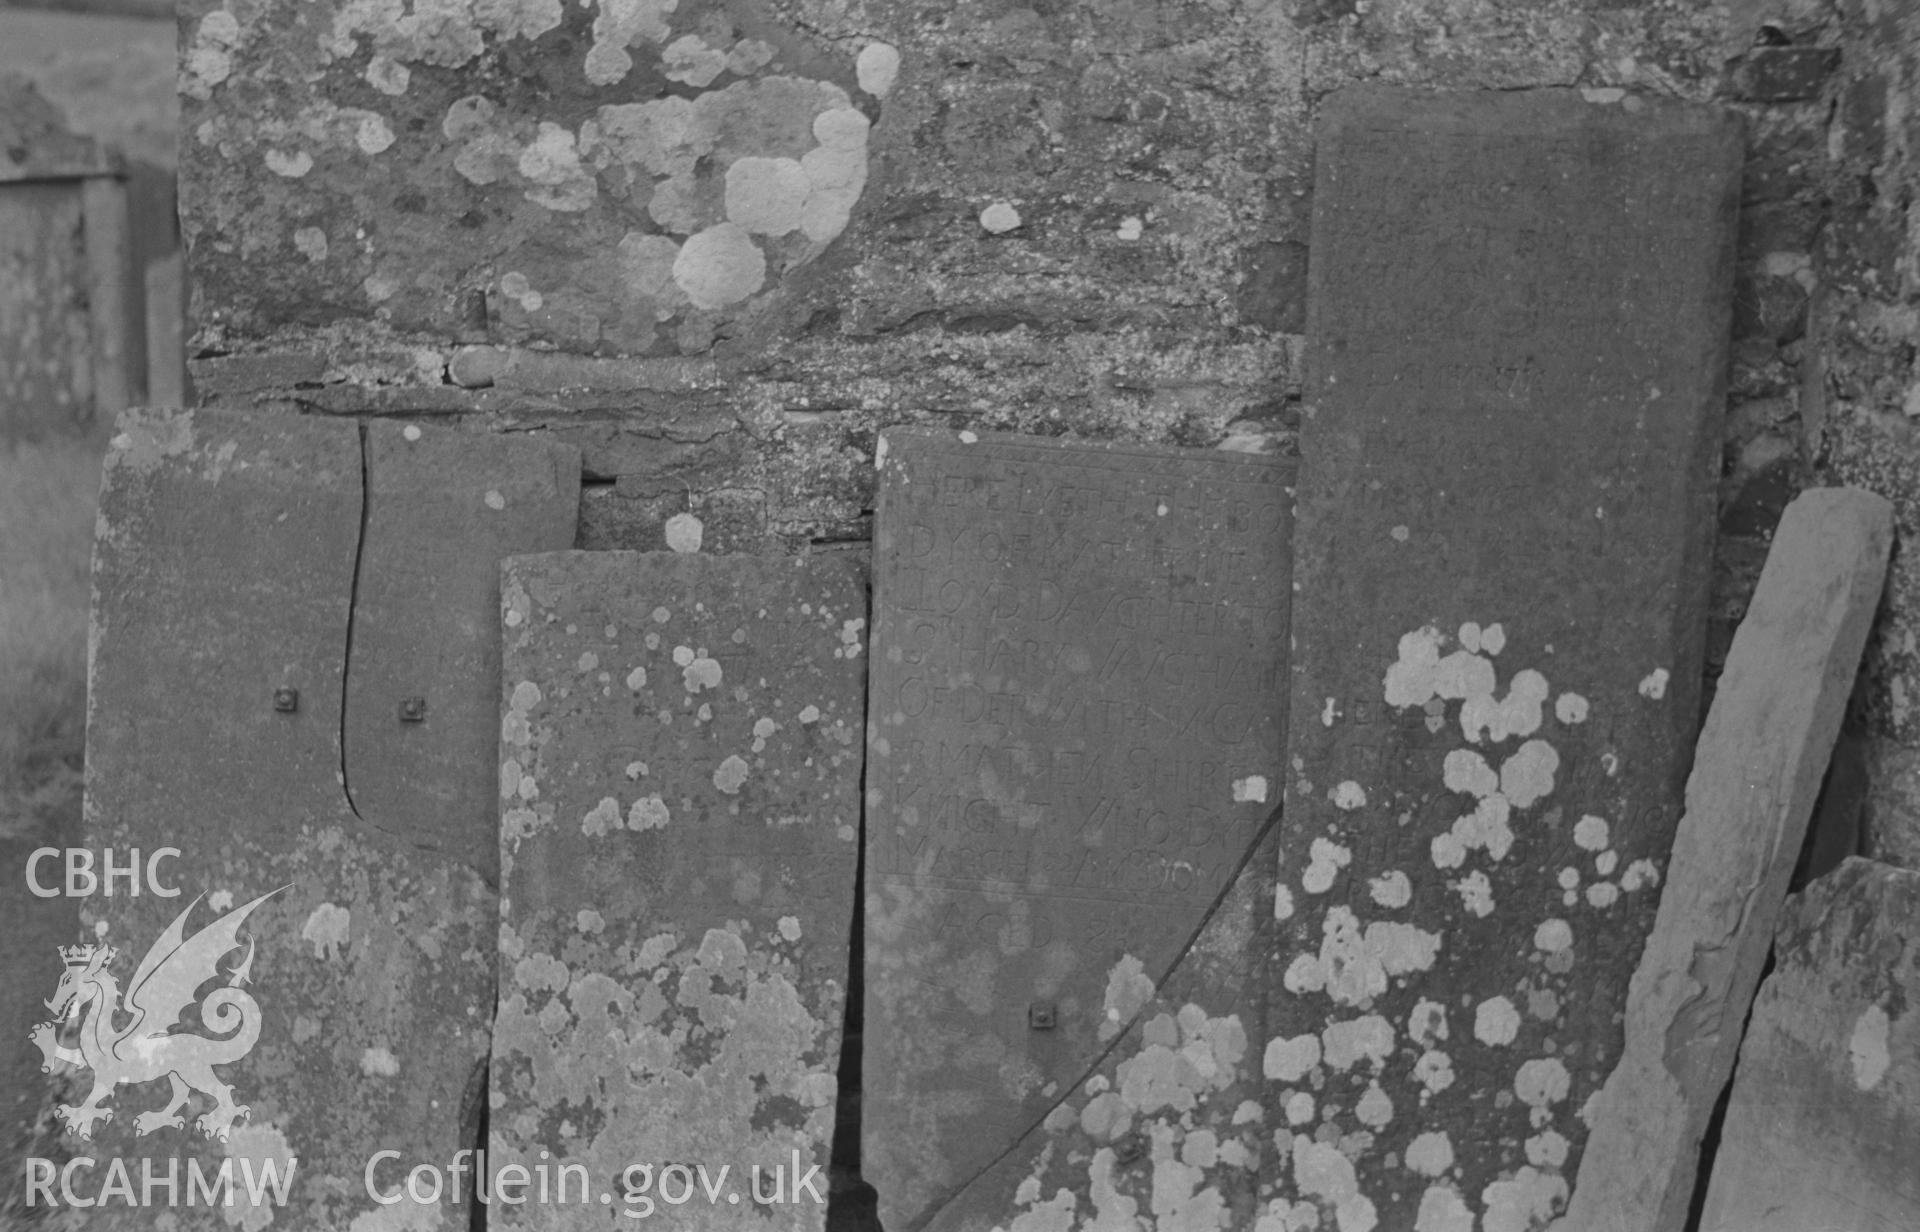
(1517, 341)
(1823, 1127)
(1756, 773)
(422, 718)
(223, 579)
(680, 791)
(1074, 733)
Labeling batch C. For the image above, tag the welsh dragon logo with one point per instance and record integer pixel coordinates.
(144, 1048)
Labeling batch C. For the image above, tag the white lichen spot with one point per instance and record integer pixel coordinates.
(1654, 687)
(1282, 903)
(1523, 1203)
(1442, 1209)
(1355, 963)
(1349, 796)
(1392, 889)
(1433, 1071)
(1427, 1022)
(648, 813)
(220, 900)
(1476, 893)
(1569, 878)
(999, 218)
(373, 135)
(1570, 708)
(1320, 1171)
(494, 500)
(877, 67)
(410, 433)
(1129, 988)
(601, 818)
(1375, 1108)
(388, 75)
(1540, 1084)
(719, 266)
(311, 243)
(1496, 1022)
(1493, 638)
(292, 166)
(1409, 681)
(1131, 228)
(1328, 713)
(589, 921)
(1252, 789)
(1464, 770)
(209, 61)
(809, 714)
(1867, 1048)
(1605, 862)
(326, 930)
(1470, 636)
(1552, 936)
(1590, 833)
(1400, 534)
(1640, 873)
(1289, 1059)
(1430, 1153)
(1345, 1044)
(1327, 859)
(684, 532)
(622, 24)
(700, 672)
(379, 1062)
(730, 774)
(690, 61)
(526, 695)
(1547, 1149)
(1527, 776)
(1602, 894)
(789, 928)
(1447, 851)
(1518, 714)
(767, 196)
(1299, 1108)
(637, 679)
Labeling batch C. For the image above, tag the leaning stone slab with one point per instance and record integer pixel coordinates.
(680, 766)
(351, 974)
(1756, 774)
(1823, 1128)
(422, 716)
(1074, 735)
(1517, 335)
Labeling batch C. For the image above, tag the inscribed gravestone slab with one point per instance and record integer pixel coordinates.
(1517, 347)
(1074, 730)
(223, 573)
(680, 797)
(1823, 1126)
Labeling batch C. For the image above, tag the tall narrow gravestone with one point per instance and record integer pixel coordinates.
(282, 985)
(1517, 348)
(680, 808)
(1074, 734)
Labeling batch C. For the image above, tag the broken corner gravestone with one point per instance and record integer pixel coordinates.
(1756, 773)
(1516, 363)
(680, 762)
(1823, 1127)
(1074, 736)
(352, 972)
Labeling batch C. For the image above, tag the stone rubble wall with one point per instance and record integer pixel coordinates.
(1066, 216)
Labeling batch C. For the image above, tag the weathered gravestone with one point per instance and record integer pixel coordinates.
(1517, 348)
(351, 971)
(1074, 732)
(1823, 1128)
(680, 805)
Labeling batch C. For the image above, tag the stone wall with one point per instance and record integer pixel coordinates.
(719, 243)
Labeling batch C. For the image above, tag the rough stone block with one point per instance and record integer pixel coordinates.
(1756, 773)
(680, 809)
(631, 179)
(355, 971)
(1823, 1126)
(1516, 345)
(1074, 733)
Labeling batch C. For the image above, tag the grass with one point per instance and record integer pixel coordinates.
(47, 495)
